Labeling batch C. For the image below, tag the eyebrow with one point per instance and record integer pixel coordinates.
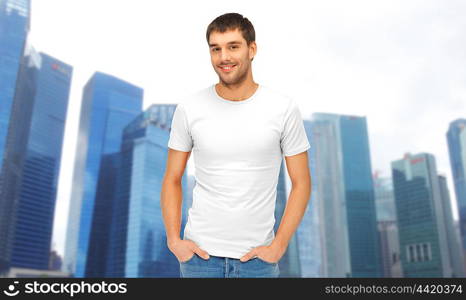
(229, 43)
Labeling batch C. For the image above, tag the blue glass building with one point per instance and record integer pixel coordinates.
(138, 246)
(345, 196)
(456, 139)
(421, 217)
(33, 155)
(385, 201)
(108, 105)
(14, 27)
(328, 193)
(105, 211)
(308, 233)
(453, 236)
(387, 226)
(41, 166)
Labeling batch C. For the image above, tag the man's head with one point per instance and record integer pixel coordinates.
(232, 46)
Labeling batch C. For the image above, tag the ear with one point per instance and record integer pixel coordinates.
(252, 50)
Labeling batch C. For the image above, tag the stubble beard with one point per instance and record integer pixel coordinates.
(236, 80)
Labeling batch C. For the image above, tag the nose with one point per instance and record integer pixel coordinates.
(225, 55)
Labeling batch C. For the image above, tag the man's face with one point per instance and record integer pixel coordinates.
(230, 55)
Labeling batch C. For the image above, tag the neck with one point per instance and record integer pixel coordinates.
(237, 91)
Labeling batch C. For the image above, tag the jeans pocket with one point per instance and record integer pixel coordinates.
(189, 259)
(266, 262)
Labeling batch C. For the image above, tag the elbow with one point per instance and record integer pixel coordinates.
(302, 183)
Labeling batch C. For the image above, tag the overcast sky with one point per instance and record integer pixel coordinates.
(402, 64)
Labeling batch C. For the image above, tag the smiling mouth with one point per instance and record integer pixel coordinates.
(227, 68)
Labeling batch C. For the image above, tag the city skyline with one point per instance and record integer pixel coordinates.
(356, 61)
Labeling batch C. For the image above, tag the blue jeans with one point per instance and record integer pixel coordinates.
(226, 267)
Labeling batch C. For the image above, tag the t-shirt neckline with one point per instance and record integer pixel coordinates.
(234, 102)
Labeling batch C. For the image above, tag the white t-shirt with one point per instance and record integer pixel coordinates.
(238, 147)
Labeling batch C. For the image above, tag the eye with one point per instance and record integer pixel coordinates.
(215, 49)
(233, 47)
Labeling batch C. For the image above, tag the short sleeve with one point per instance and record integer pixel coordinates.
(293, 138)
(180, 137)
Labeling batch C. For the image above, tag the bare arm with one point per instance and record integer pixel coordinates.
(171, 198)
(298, 169)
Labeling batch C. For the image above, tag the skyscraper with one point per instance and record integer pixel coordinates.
(385, 200)
(453, 236)
(14, 27)
(108, 105)
(138, 241)
(137, 246)
(310, 252)
(387, 226)
(345, 196)
(421, 217)
(33, 155)
(456, 139)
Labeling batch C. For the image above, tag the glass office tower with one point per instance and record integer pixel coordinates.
(33, 155)
(345, 196)
(310, 252)
(108, 105)
(41, 166)
(387, 226)
(456, 139)
(138, 244)
(14, 27)
(453, 235)
(421, 217)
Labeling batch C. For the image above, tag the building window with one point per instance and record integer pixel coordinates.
(425, 251)
(418, 253)
(394, 258)
(429, 251)
(411, 253)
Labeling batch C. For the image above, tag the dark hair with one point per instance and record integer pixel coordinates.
(231, 21)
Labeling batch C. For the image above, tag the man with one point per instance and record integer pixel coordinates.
(239, 131)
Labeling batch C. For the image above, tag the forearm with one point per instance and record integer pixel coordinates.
(170, 200)
(294, 212)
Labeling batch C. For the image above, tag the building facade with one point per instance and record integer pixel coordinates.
(456, 140)
(109, 104)
(421, 218)
(14, 28)
(345, 196)
(32, 157)
(387, 226)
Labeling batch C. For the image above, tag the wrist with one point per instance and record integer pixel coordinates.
(279, 244)
(172, 241)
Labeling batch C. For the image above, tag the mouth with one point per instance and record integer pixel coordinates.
(227, 68)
